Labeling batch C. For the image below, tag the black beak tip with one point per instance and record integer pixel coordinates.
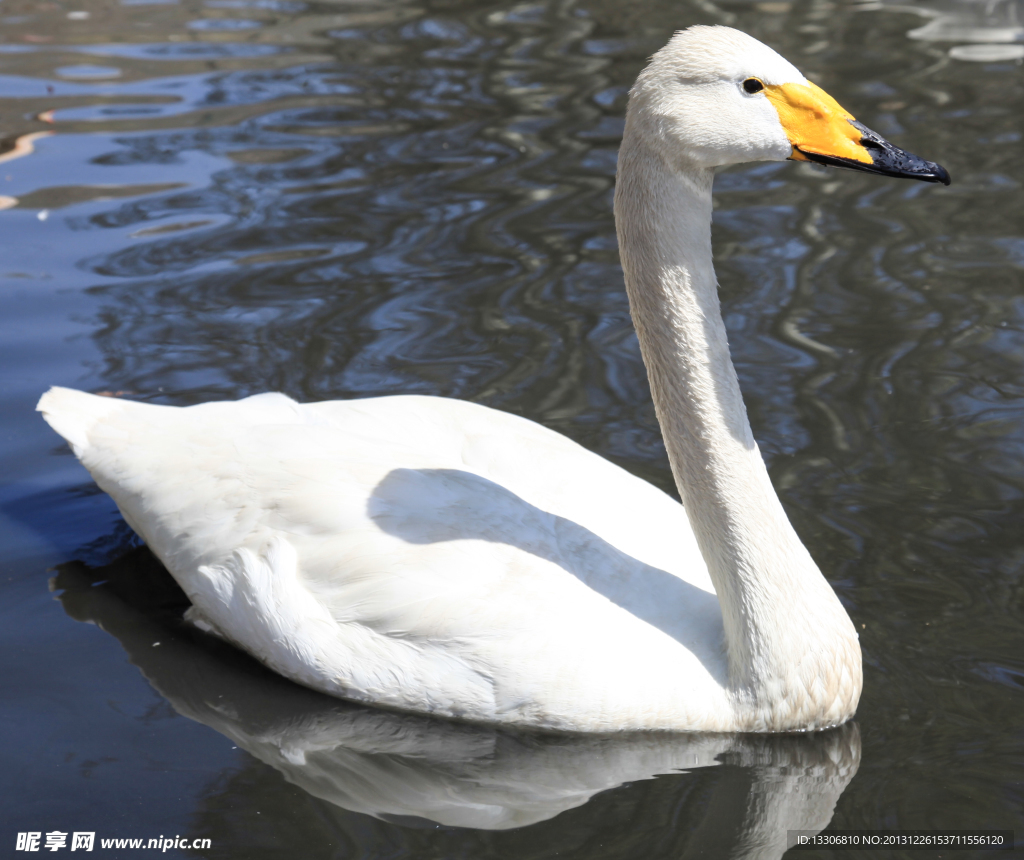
(890, 160)
(940, 173)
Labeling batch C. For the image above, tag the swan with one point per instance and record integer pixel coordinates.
(403, 767)
(437, 556)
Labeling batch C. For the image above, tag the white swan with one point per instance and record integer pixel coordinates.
(442, 557)
(392, 765)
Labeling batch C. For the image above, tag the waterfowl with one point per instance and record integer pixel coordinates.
(441, 557)
(402, 767)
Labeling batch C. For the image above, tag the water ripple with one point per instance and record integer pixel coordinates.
(340, 199)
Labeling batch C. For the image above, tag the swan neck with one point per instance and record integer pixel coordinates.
(767, 584)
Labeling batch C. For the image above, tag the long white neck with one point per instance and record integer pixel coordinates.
(794, 658)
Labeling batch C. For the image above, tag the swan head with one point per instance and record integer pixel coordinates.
(715, 96)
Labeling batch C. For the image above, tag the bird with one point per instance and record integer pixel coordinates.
(437, 556)
(402, 767)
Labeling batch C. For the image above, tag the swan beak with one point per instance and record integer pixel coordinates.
(820, 130)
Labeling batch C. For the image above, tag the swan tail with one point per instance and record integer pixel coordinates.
(73, 414)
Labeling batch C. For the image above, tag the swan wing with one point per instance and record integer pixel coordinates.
(418, 552)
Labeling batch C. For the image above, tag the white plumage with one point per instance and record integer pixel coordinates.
(442, 557)
(395, 550)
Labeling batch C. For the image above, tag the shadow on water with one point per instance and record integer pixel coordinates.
(437, 778)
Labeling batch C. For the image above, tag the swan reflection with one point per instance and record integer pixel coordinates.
(405, 768)
(993, 30)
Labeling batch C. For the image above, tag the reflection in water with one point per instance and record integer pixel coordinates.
(22, 146)
(989, 27)
(406, 768)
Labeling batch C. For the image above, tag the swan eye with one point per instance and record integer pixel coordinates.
(753, 85)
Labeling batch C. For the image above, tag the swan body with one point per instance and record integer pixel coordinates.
(426, 571)
(439, 556)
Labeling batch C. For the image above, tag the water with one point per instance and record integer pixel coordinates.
(343, 199)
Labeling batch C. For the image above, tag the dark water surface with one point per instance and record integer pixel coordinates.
(344, 199)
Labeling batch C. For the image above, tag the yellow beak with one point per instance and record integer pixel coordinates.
(815, 122)
(820, 130)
